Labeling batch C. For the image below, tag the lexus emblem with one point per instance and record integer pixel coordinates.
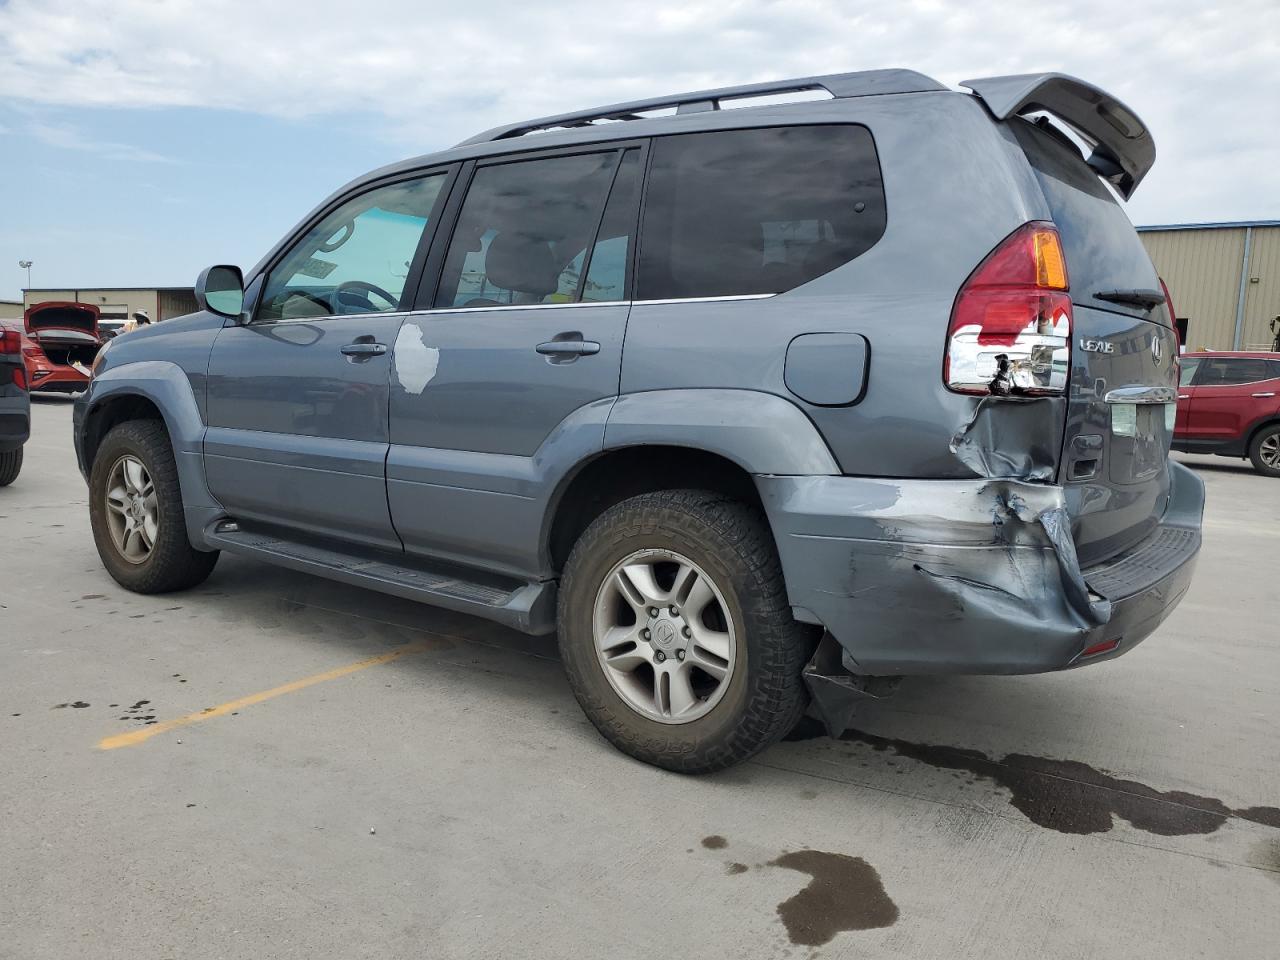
(1155, 350)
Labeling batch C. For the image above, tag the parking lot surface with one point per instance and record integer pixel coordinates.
(276, 766)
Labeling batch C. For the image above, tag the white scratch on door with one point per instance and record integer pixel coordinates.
(415, 362)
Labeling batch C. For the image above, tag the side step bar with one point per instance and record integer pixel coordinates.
(527, 607)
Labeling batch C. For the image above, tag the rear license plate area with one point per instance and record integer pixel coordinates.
(1140, 436)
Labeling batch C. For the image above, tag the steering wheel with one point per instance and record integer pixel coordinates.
(354, 292)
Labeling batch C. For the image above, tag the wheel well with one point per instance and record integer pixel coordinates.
(1253, 434)
(619, 474)
(110, 413)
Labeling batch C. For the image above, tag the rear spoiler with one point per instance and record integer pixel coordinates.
(1123, 150)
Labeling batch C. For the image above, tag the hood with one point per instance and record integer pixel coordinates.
(61, 315)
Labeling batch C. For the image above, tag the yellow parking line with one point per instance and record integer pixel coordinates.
(146, 733)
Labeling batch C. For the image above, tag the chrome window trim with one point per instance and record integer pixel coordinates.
(736, 296)
(320, 319)
(440, 311)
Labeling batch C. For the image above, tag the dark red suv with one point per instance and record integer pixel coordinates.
(1229, 404)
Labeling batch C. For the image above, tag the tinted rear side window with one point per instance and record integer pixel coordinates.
(523, 232)
(1225, 371)
(757, 211)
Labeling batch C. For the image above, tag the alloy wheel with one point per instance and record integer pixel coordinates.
(664, 636)
(1269, 451)
(133, 515)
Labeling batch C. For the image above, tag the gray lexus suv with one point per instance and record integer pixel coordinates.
(760, 397)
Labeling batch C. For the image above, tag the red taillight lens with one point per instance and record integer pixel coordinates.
(20, 378)
(10, 341)
(1010, 329)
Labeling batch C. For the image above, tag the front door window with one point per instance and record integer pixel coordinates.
(355, 260)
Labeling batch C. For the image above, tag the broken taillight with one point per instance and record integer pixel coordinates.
(1010, 329)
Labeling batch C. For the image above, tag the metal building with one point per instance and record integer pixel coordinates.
(119, 303)
(1223, 278)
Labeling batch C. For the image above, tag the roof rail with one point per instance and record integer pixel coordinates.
(864, 83)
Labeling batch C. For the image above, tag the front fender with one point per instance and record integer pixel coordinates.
(167, 387)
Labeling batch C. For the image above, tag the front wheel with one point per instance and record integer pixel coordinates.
(135, 510)
(1264, 452)
(10, 466)
(676, 633)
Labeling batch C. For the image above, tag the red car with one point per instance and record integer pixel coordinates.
(59, 343)
(1229, 404)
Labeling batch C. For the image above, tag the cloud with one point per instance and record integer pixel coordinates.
(1205, 78)
(68, 138)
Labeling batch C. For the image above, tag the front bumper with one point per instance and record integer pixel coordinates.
(960, 576)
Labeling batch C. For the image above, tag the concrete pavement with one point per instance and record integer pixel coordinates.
(450, 800)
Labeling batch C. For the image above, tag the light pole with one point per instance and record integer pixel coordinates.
(26, 265)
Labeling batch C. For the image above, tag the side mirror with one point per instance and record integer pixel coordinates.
(220, 290)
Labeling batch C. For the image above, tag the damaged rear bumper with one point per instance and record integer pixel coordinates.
(970, 576)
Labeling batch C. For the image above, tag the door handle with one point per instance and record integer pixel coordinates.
(364, 349)
(568, 348)
(1271, 394)
(1184, 396)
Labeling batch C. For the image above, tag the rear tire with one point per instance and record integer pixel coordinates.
(754, 693)
(10, 466)
(1264, 451)
(135, 510)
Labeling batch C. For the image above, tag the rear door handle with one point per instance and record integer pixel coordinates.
(364, 349)
(568, 348)
(1184, 396)
(1271, 394)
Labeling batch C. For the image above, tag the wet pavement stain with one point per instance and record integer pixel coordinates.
(1267, 816)
(715, 842)
(845, 894)
(736, 868)
(1066, 795)
(78, 705)
(136, 713)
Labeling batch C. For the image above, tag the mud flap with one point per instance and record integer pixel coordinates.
(836, 690)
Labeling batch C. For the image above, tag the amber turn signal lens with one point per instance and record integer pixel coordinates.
(1051, 265)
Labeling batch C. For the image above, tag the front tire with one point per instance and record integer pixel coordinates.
(10, 466)
(135, 510)
(1264, 451)
(676, 633)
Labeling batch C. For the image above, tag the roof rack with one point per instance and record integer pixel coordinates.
(864, 83)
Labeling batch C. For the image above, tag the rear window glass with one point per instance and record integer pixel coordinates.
(757, 211)
(1103, 251)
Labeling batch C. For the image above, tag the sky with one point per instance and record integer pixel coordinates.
(142, 140)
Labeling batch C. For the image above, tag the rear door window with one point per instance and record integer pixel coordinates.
(1229, 371)
(761, 211)
(524, 230)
